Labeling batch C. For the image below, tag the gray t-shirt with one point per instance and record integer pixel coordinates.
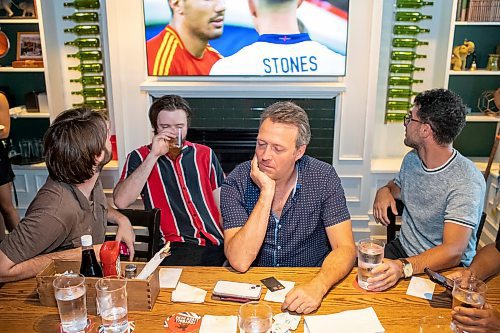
(453, 192)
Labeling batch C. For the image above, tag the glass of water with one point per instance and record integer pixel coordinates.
(70, 294)
(435, 324)
(112, 303)
(370, 255)
(255, 317)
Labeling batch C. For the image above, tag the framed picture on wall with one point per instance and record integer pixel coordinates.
(29, 46)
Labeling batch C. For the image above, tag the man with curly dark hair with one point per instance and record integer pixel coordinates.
(443, 193)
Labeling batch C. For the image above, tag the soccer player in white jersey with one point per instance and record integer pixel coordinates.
(281, 49)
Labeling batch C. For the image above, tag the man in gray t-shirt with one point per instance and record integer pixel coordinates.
(443, 193)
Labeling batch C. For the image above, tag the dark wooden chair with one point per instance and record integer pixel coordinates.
(394, 227)
(146, 225)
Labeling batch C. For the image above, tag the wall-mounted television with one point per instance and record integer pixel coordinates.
(278, 38)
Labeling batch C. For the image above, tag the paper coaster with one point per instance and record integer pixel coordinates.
(183, 322)
(88, 328)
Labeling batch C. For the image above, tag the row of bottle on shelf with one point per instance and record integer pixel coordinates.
(402, 67)
(90, 56)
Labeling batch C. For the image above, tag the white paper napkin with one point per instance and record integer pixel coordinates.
(285, 322)
(279, 295)
(219, 324)
(169, 277)
(420, 287)
(359, 321)
(188, 294)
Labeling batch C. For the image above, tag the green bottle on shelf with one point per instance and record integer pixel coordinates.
(395, 116)
(84, 42)
(407, 42)
(90, 92)
(411, 16)
(82, 17)
(89, 80)
(83, 4)
(84, 30)
(409, 30)
(413, 3)
(94, 104)
(86, 55)
(398, 105)
(406, 55)
(87, 68)
(404, 68)
(401, 93)
(402, 81)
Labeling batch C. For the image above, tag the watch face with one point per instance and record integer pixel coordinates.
(408, 270)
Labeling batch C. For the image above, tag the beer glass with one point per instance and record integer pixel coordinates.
(112, 303)
(469, 292)
(255, 317)
(175, 145)
(70, 294)
(370, 255)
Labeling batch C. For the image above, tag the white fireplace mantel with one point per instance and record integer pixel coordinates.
(265, 88)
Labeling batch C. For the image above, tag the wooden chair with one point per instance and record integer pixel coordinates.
(393, 227)
(146, 225)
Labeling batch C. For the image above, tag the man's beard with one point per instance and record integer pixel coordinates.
(107, 157)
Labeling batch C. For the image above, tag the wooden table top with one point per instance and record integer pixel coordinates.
(20, 310)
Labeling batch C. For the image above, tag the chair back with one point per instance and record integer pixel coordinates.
(393, 227)
(480, 228)
(146, 224)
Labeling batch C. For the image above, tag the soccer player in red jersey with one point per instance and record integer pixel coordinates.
(182, 47)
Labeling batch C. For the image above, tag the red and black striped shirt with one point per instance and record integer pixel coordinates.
(182, 189)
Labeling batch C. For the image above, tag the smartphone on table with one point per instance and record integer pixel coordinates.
(439, 279)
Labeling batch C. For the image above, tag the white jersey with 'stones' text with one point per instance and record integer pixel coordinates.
(286, 55)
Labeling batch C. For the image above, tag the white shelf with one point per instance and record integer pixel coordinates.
(30, 115)
(22, 69)
(19, 21)
(476, 23)
(481, 118)
(476, 72)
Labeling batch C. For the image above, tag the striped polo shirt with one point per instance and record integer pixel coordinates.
(182, 189)
(167, 55)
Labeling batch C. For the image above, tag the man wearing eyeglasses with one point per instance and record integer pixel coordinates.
(443, 193)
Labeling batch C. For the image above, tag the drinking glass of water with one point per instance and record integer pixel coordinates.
(255, 317)
(436, 324)
(370, 255)
(70, 293)
(112, 303)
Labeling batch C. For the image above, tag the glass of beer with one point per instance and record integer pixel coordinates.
(469, 292)
(112, 303)
(175, 145)
(255, 317)
(370, 255)
(70, 294)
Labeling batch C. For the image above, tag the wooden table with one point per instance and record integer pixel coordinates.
(20, 310)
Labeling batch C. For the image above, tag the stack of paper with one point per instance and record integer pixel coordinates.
(188, 294)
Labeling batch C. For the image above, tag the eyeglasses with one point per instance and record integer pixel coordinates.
(408, 118)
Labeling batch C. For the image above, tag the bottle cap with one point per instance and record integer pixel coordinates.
(86, 240)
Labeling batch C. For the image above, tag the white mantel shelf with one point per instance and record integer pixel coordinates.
(265, 88)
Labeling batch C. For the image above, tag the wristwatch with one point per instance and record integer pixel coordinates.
(407, 268)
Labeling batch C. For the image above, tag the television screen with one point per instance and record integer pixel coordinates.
(246, 37)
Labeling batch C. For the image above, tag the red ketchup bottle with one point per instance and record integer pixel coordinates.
(110, 258)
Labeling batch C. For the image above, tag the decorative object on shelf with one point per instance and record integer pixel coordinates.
(411, 16)
(27, 7)
(413, 3)
(478, 11)
(27, 64)
(486, 102)
(90, 80)
(409, 30)
(29, 46)
(4, 44)
(84, 30)
(84, 42)
(83, 17)
(493, 62)
(460, 53)
(83, 4)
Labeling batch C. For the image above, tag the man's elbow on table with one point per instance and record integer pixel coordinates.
(5, 268)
